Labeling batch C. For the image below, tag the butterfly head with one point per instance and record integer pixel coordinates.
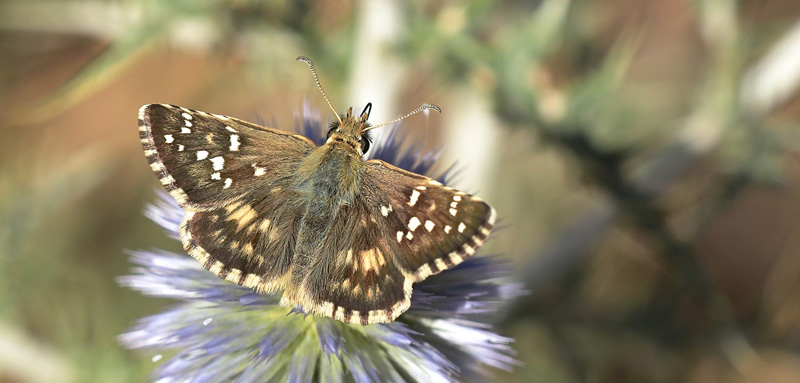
(352, 130)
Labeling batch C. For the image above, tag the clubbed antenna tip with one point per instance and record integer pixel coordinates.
(415, 111)
(314, 72)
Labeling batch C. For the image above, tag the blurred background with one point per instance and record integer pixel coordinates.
(642, 156)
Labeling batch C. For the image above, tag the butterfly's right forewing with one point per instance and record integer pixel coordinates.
(429, 226)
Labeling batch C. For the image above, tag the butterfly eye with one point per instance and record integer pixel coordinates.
(365, 141)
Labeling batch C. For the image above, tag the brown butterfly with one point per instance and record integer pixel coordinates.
(270, 210)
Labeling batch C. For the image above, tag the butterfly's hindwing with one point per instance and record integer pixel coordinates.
(353, 279)
(247, 242)
(206, 161)
(430, 227)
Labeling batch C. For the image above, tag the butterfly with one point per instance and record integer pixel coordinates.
(270, 210)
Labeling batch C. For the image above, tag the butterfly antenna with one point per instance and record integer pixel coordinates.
(314, 72)
(415, 111)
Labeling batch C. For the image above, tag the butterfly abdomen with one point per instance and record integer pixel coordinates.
(330, 179)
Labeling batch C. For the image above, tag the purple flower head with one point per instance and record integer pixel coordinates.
(222, 332)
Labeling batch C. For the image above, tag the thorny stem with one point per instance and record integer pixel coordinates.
(630, 200)
(635, 198)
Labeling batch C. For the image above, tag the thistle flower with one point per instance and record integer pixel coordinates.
(222, 332)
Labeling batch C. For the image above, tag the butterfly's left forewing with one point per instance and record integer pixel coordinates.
(206, 161)
(234, 180)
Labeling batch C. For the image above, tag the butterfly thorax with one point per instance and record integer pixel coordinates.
(332, 173)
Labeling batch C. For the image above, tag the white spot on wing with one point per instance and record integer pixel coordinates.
(385, 210)
(180, 147)
(252, 280)
(169, 138)
(413, 223)
(186, 130)
(409, 236)
(186, 116)
(456, 198)
(216, 176)
(202, 154)
(399, 236)
(218, 162)
(461, 227)
(259, 171)
(228, 183)
(429, 225)
(424, 271)
(264, 225)
(327, 309)
(188, 123)
(228, 128)
(492, 216)
(453, 212)
(447, 229)
(413, 199)
(469, 250)
(234, 142)
(216, 268)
